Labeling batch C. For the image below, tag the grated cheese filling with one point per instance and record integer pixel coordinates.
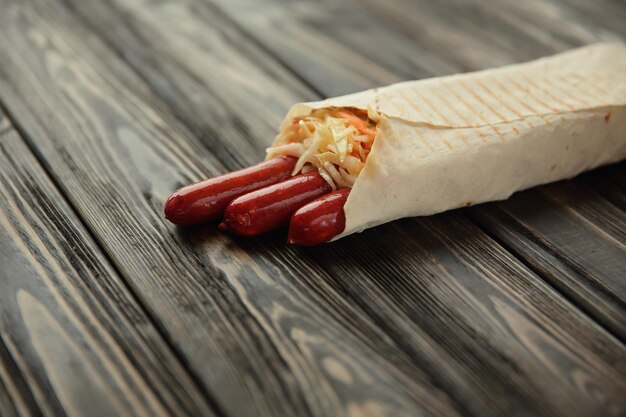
(335, 141)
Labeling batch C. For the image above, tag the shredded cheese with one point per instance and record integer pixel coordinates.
(336, 142)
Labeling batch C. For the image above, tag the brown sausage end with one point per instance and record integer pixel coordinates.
(320, 220)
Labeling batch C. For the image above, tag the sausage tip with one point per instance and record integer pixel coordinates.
(320, 220)
(172, 210)
(271, 207)
(206, 200)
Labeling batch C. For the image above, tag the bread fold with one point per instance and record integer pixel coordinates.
(465, 139)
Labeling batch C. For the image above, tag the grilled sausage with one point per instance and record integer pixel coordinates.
(271, 207)
(320, 220)
(206, 200)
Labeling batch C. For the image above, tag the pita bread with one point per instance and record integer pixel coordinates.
(465, 139)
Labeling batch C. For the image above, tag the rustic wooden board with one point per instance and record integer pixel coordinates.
(609, 181)
(73, 341)
(480, 34)
(462, 39)
(4, 123)
(243, 281)
(190, 61)
(337, 47)
(435, 307)
(570, 235)
(258, 340)
(410, 39)
(298, 334)
(278, 20)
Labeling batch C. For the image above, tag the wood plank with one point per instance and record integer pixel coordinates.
(569, 234)
(356, 50)
(258, 340)
(521, 31)
(483, 312)
(4, 122)
(481, 34)
(610, 182)
(605, 17)
(15, 398)
(472, 377)
(233, 113)
(72, 339)
(409, 39)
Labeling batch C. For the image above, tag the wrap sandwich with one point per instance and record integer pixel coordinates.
(422, 147)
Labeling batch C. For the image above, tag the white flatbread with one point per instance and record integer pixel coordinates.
(460, 140)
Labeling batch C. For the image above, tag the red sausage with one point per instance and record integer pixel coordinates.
(271, 207)
(206, 200)
(320, 220)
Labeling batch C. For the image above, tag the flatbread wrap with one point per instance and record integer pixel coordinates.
(344, 164)
(438, 144)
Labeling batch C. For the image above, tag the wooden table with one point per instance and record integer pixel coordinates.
(515, 308)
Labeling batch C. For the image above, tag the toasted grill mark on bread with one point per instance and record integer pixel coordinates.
(575, 99)
(467, 122)
(589, 82)
(548, 93)
(568, 83)
(501, 101)
(435, 110)
(483, 102)
(523, 104)
(537, 99)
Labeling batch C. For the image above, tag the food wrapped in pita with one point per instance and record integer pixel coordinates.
(422, 147)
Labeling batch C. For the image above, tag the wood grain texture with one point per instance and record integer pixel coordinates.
(187, 54)
(15, 397)
(464, 368)
(482, 34)
(72, 340)
(427, 317)
(410, 39)
(259, 342)
(479, 34)
(4, 122)
(610, 182)
(566, 232)
(355, 49)
(505, 333)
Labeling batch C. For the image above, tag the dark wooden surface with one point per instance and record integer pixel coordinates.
(515, 308)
